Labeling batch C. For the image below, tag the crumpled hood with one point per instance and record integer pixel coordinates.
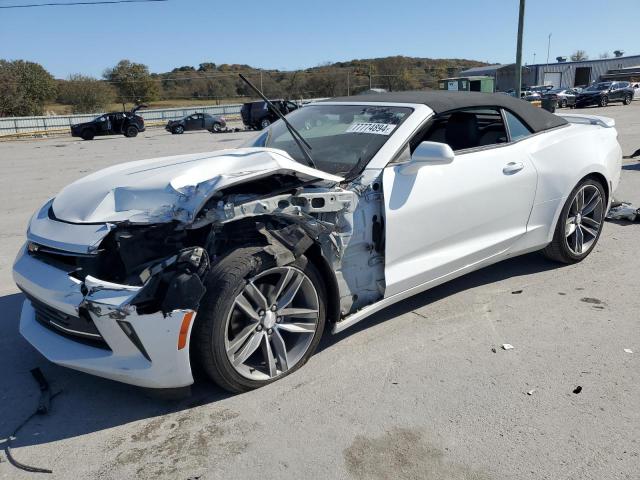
(171, 188)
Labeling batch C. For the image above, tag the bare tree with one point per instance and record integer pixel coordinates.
(605, 55)
(579, 55)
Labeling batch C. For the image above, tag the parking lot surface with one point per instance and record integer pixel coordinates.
(414, 392)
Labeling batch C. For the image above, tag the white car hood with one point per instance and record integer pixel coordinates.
(171, 188)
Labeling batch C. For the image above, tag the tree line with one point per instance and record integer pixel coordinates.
(26, 87)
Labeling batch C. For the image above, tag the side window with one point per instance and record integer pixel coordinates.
(464, 129)
(517, 129)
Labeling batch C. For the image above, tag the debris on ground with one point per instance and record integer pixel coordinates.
(516, 292)
(594, 301)
(507, 346)
(493, 349)
(628, 350)
(530, 392)
(577, 390)
(44, 405)
(623, 211)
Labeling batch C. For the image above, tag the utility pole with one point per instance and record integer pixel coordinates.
(548, 49)
(369, 76)
(519, 50)
(261, 89)
(348, 83)
(534, 58)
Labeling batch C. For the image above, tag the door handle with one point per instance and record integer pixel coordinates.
(512, 167)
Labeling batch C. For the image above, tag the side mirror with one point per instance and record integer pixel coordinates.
(426, 153)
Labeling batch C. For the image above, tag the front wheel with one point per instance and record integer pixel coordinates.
(627, 100)
(563, 103)
(217, 128)
(87, 134)
(259, 321)
(580, 223)
(604, 101)
(131, 131)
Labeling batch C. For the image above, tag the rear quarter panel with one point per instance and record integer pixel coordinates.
(562, 157)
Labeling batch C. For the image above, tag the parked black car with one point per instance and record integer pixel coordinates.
(603, 93)
(257, 115)
(197, 121)
(128, 124)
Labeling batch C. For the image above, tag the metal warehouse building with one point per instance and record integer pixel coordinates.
(565, 74)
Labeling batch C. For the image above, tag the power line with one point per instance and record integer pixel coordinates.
(99, 2)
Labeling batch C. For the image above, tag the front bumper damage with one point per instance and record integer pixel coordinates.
(147, 350)
(113, 282)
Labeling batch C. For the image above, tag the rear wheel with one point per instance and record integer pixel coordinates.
(604, 101)
(131, 131)
(87, 134)
(260, 321)
(627, 100)
(580, 223)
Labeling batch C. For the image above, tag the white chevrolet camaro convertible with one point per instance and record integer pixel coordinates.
(238, 259)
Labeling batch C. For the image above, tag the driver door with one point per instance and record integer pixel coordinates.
(194, 122)
(444, 217)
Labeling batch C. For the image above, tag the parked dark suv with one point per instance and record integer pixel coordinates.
(257, 115)
(115, 123)
(603, 93)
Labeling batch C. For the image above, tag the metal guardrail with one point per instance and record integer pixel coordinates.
(58, 123)
(10, 126)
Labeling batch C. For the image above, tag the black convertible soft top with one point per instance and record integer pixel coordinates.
(443, 101)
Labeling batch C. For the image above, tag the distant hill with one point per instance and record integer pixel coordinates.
(210, 80)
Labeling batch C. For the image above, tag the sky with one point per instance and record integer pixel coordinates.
(286, 35)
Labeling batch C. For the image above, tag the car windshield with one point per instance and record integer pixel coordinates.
(342, 137)
(596, 87)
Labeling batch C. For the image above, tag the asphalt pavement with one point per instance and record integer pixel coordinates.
(422, 390)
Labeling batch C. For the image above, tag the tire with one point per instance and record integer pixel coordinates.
(563, 103)
(221, 321)
(87, 134)
(131, 131)
(563, 247)
(217, 128)
(177, 130)
(604, 101)
(264, 123)
(627, 100)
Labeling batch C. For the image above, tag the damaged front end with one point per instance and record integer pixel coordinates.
(126, 289)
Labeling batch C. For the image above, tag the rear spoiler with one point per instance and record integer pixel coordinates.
(605, 122)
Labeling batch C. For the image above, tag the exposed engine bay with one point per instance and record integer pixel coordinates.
(340, 227)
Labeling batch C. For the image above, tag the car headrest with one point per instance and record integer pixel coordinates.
(462, 131)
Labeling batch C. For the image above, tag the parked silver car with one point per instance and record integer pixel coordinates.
(566, 96)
